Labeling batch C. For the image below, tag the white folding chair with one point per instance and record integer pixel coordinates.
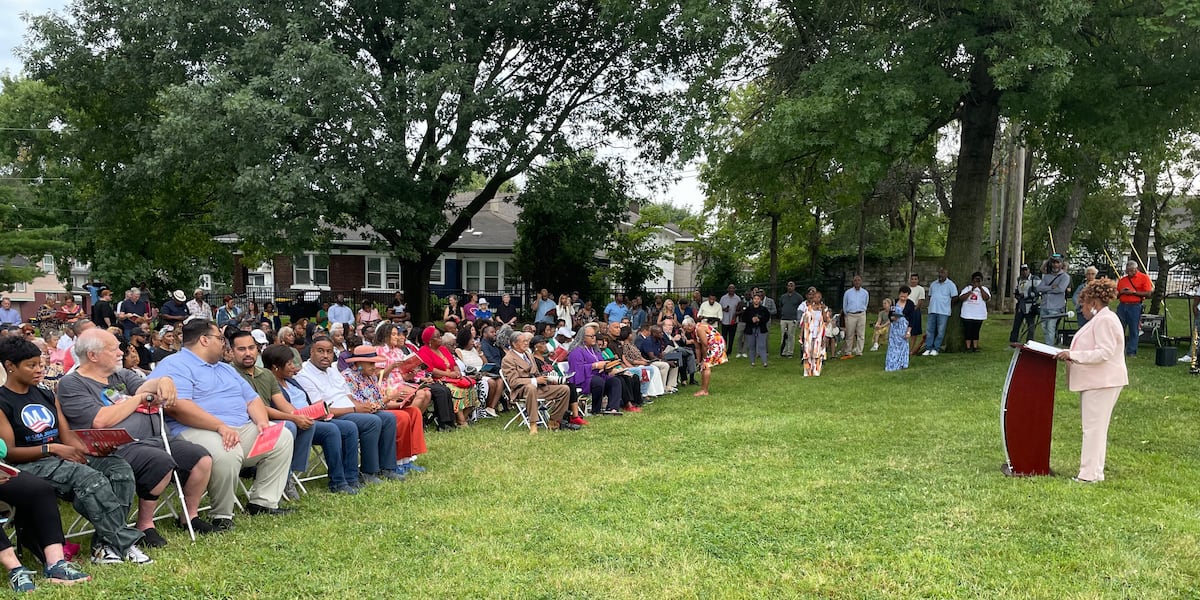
(522, 412)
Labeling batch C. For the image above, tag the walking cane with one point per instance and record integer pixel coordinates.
(162, 419)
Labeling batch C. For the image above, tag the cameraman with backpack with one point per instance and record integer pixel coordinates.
(1026, 310)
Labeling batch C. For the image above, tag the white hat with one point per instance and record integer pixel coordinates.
(259, 336)
(483, 301)
(565, 332)
(178, 295)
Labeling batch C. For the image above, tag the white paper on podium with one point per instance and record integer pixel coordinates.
(1042, 348)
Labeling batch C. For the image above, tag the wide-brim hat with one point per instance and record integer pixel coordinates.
(178, 295)
(565, 332)
(363, 353)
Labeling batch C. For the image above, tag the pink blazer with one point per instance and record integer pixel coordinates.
(1098, 354)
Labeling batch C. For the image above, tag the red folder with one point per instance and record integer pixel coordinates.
(102, 442)
(313, 411)
(559, 355)
(410, 364)
(266, 439)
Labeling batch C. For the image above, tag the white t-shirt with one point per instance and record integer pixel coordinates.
(327, 385)
(974, 307)
(917, 294)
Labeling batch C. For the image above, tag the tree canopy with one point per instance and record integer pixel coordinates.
(282, 122)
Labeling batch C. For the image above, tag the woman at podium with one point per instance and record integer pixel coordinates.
(1096, 369)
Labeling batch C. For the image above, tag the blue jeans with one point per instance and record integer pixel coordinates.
(1131, 321)
(376, 440)
(338, 440)
(936, 331)
(1049, 330)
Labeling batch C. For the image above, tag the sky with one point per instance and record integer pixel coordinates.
(679, 187)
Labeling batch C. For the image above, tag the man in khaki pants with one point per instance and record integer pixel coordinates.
(854, 309)
(526, 381)
(218, 410)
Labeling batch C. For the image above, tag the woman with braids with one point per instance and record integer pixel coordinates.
(1096, 369)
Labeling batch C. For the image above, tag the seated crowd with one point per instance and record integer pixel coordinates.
(204, 398)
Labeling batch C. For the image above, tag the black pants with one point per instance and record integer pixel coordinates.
(443, 405)
(728, 332)
(37, 518)
(599, 387)
(1018, 319)
(633, 389)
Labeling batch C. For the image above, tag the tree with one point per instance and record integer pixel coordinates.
(569, 212)
(282, 123)
(29, 227)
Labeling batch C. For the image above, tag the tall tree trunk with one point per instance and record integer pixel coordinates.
(1164, 272)
(773, 248)
(814, 244)
(416, 286)
(1083, 179)
(1147, 205)
(862, 236)
(912, 231)
(968, 212)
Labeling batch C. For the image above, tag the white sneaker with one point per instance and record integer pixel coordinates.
(1185, 358)
(137, 557)
(933, 352)
(925, 353)
(104, 555)
(875, 348)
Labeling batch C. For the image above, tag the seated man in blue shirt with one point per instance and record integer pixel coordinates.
(218, 410)
(491, 351)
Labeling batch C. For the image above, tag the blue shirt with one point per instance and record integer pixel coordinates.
(218, 389)
(615, 312)
(637, 316)
(855, 301)
(940, 294)
(543, 308)
(648, 345)
(340, 313)
(10, 316)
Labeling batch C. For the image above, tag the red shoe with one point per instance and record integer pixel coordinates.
(577, 421)
(632, 408)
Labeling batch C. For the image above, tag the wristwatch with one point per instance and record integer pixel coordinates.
(45, 449)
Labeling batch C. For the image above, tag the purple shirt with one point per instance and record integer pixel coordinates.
(580, 360)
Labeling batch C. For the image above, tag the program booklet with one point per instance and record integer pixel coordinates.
(1042, 348)
(266, 440)
(102, 442)
(313, 411)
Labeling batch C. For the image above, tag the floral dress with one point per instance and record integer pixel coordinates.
(715, 345)
(812, 337)
(897, 352)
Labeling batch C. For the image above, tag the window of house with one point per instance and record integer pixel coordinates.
(383, 273)
(483, 275)
(19, 287)
(48, 263)
(310, 270)
(436, 276)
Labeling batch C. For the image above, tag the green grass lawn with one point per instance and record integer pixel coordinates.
(859, 484)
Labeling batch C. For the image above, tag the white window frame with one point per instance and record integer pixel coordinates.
(48, 264)
(384, 274)
(19, 287)
(440, 265)
(482, 277)
(309, 266)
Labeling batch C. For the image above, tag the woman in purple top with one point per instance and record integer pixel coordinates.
(591, 373)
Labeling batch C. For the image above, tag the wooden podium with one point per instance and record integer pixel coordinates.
(1027, 410)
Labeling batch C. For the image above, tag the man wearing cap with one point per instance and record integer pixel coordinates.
(197, 308)
(1053, 290)
(525, 379)
(1132, 289)
(218, 410)
(175, 310)
(1026, 310)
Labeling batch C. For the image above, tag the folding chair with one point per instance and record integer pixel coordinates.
(317, 469)
(522, 412)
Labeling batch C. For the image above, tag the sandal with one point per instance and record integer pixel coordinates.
(612, 412)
